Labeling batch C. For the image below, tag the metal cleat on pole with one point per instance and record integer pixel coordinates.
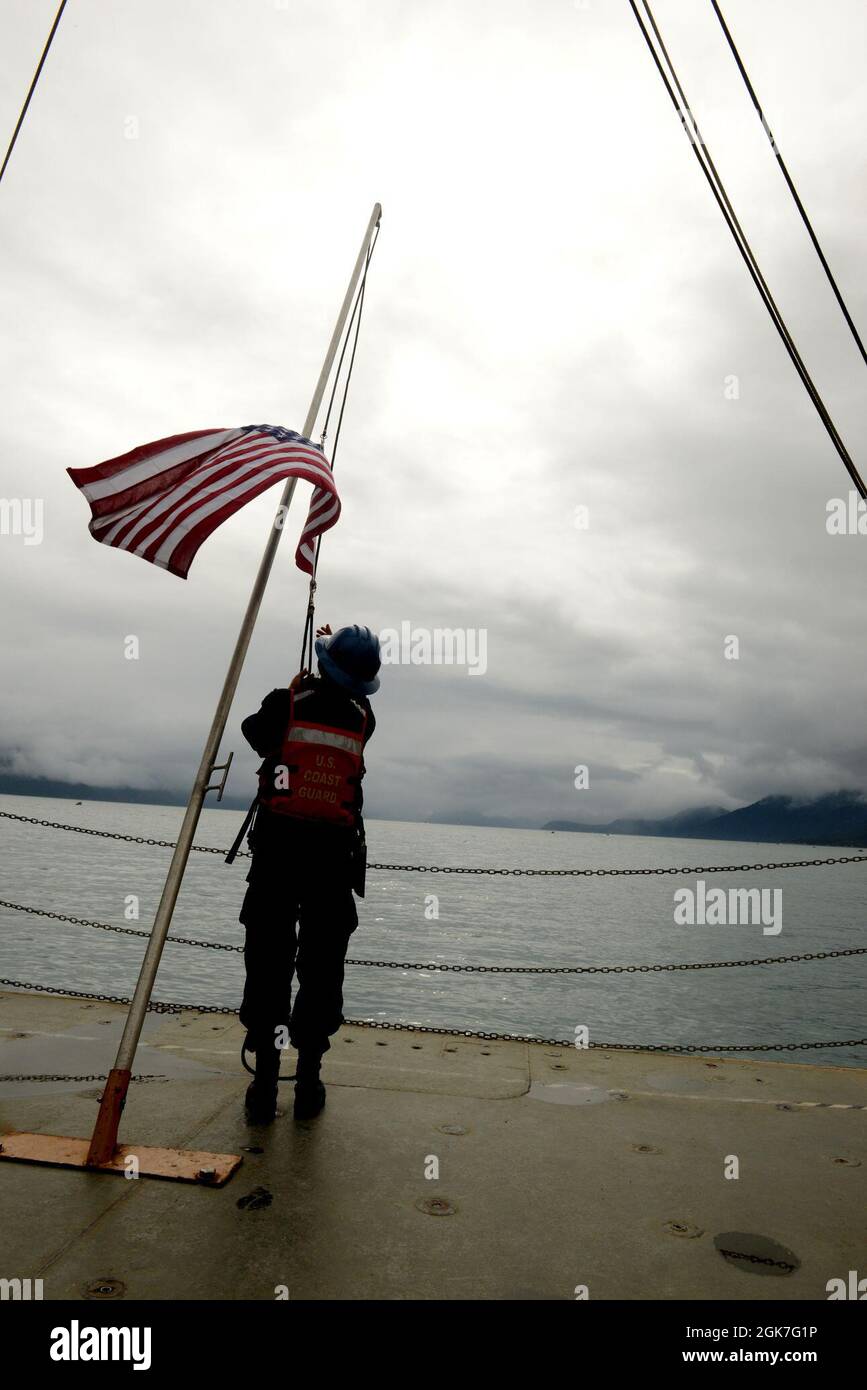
(220, 787)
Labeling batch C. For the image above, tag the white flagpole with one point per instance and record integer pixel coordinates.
(104, 1139)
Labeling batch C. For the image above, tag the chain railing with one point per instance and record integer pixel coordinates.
(463, 869)
(71, 1076)
(156, 1006)
(164, 1007)
(458, 967)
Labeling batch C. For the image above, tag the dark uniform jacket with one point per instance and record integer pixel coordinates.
(279, 841)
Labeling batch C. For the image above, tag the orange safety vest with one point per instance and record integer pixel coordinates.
(317, 773)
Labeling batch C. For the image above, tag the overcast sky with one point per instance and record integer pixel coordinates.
(554, 310)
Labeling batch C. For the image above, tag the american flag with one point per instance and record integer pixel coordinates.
(162, 500)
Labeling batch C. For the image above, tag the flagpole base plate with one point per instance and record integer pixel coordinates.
(181, 1165)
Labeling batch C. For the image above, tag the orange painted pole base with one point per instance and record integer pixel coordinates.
(103, 1154)
(104, 1138)
(126, 1160)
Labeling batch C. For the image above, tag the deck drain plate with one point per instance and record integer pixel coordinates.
(566, 1093)
(756, 1254)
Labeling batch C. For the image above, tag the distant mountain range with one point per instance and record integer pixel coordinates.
(13, 785)
(838, 818)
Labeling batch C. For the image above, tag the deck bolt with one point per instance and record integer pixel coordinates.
(105, 1288)
(435, 1206)
(682, 1228)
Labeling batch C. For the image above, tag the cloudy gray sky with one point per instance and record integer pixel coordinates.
(554, 310)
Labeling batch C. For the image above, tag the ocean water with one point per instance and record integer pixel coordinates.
(481, 920)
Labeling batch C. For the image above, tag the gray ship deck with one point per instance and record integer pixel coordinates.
(558, 1168)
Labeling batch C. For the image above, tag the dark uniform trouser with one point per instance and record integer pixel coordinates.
(296, 925)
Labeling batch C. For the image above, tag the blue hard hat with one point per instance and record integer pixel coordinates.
(351, 657)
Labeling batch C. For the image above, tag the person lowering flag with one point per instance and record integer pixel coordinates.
(160, 502)
(307, 839)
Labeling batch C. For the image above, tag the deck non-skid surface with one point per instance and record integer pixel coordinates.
(557, 1169)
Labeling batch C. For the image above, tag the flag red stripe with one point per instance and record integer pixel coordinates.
(248, 485)
(165, 513)
(100, 471)
(232, 475)
(212, 469)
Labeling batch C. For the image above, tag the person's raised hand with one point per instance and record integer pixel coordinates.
(324, 631)
(296, 680)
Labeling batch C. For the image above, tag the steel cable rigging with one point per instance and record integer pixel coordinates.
(790, 182)
(700, 149)
(19, 123)
(352, 331)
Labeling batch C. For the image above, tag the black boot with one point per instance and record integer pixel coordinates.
(261, 1099)
(309, 1090)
